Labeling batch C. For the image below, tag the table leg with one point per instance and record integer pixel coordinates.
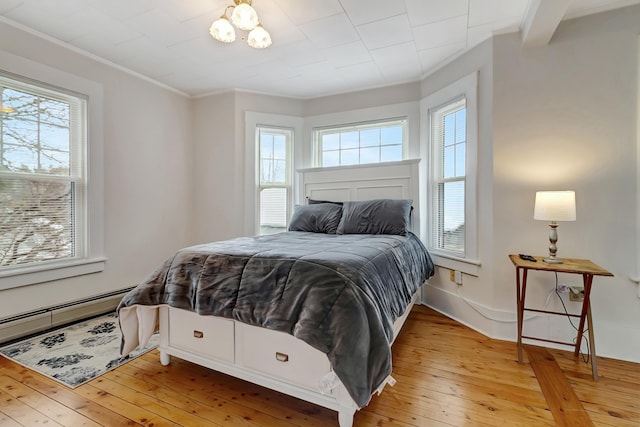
(521, 288)
(587, 280)
(592, 344)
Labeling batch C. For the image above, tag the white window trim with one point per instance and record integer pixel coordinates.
(94, 261)
(408, 110)
(467, 87)
(347, 127)
(288, 185)
(251, 122)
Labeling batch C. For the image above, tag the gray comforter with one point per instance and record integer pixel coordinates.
(338, 293)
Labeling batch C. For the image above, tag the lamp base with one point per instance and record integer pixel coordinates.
(553, 261)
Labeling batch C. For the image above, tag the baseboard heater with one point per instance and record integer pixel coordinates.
(25, 324)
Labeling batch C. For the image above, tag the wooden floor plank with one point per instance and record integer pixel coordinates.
(206, 386)
(64, 395)
(450, 409)
(44, 404)
(368, 418)
(447, 375)
(464, 388)
(6, 421)
(565, 406)
(140, 414)
(190, 412)
(22, 413)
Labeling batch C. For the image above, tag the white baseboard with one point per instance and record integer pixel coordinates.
(615, 341)
(22, 327)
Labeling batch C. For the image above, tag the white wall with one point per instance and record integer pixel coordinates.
(562, 117)
(441, 293)
(147, 175)
(565, 118)
(389, 95)
(219, 142)
(214, 207)
(636, 279)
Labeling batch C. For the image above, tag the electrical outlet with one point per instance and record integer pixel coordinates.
(452, 275)
(458, 277)
(576, 294)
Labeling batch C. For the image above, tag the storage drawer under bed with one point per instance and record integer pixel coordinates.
(280, 355)
(206, 335)
(267, 352)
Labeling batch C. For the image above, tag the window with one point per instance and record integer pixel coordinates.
(274, 188)
(268, 187)
(448, 127)
(51, 218)
(449, 142)
(361, 143)
(42, 175)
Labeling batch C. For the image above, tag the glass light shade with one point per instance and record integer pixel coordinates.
(555, 206)
(222, 30)
(244, 17)
(259, 38)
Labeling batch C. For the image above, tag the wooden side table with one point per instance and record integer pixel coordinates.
(574, 266)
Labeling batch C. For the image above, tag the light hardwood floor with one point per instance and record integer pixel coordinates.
(447, 375)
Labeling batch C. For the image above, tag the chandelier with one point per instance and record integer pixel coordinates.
(245, 18)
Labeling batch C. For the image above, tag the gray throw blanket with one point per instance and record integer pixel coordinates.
(338, 293)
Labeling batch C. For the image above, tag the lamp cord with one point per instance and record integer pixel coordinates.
(585, 356)
(480, 310)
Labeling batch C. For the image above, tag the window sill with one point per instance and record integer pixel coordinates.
(467, 266)
(47, 273)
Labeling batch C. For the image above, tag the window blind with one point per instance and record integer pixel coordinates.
(274, 171)
(449, 159)
(42, 173)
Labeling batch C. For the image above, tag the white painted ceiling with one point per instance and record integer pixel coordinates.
(320, 47)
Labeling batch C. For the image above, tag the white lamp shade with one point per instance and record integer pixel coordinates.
(259, 38)
(222, 30)
(555, 206)
(244, 17)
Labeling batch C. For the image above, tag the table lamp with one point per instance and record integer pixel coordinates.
(554, 206)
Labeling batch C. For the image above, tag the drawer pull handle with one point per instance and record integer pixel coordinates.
(198, 334)
(281, 357)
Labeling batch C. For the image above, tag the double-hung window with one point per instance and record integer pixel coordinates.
(448, 127)
(363, 143)
(51, 174)
(449, 143)
(270, 166)
(274, 187)
(42, 175)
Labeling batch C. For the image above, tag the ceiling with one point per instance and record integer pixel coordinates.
(320, 47)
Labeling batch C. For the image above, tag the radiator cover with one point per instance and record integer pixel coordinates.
(22, 325)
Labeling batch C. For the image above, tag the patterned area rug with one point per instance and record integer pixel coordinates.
(75, 354)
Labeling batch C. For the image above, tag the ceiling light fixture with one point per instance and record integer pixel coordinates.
(6, 110)
(245, 18)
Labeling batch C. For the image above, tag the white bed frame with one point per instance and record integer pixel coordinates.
(274, 359)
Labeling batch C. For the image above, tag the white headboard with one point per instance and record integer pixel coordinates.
(391, 180)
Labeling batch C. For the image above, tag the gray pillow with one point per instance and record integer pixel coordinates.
(315, 202)
(383, 216)
(316, 218)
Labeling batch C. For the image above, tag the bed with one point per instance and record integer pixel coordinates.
(311, 312)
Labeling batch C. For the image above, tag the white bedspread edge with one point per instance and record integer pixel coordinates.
(138, 323)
